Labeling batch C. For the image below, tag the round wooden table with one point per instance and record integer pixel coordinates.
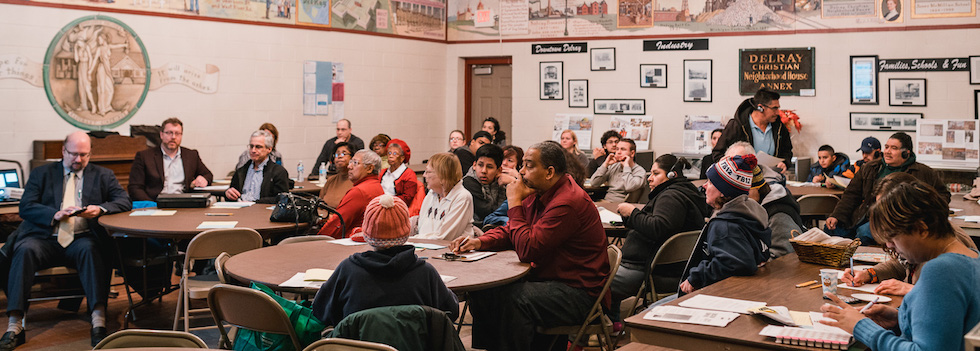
(183, 224)
(273, 265)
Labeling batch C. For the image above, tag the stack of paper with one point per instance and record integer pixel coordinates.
(716, 303)
(226, 205)
(815, 235)
(312, 278)
(346, 242)
(690, 316)
(217, 224)
(607, 216)
(153, 213)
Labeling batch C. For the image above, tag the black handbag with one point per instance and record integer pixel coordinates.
(295, 208)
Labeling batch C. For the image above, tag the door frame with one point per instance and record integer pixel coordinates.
(468, 85)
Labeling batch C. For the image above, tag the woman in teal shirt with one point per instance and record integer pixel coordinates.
(945, 302)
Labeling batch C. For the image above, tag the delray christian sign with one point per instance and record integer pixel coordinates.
(787, 71)
(560, 48)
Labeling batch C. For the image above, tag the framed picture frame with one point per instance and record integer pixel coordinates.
(976, 104)
(578, 93)
(550, 79)
(653, 76)
(974, 69)
(603, 59)
(864, 80)
(697, 80)
(906, 92)
(885, 121)
(619, 106)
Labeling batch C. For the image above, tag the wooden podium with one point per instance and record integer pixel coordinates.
(115, 152)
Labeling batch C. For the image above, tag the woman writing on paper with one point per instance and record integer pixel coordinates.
(895, 275)
(944, 303)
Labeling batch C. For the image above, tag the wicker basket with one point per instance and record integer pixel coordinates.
(823, 254)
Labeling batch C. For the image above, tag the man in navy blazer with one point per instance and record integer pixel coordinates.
(168, 169)
(60, 207)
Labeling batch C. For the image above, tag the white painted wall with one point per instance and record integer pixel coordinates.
(825, 117)
(395, 86)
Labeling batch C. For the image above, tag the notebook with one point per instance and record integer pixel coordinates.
(808, 337)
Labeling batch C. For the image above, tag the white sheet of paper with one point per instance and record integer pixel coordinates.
(227, 205)
(164, 213)
(212, 188)
(297, 281)
(426, 246)
(768, 160)
(815, 317)
(717, 303)
(476, 256)
(690, 316)
(144, 213)
(346, 242)
(607, 216)
(320, 274)
(845, 181)
(217, 224)
(447, 278)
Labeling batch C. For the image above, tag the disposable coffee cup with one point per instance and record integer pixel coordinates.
(828, 278)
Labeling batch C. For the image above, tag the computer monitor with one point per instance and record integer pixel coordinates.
(9, 178)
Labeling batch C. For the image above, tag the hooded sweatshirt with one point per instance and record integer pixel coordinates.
(734, 242)
(840, 164)
(388, 277)
(675, 206)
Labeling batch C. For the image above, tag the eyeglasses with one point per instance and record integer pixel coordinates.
(173, 134)
(354, 163)
(456, 139)
(74, 155)
(772, 107)
(250, 146)
(394, 153)
(341, 154)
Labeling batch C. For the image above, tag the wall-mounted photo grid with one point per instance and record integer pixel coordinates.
(948, 143)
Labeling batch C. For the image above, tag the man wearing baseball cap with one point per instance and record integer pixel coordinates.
(870, 150)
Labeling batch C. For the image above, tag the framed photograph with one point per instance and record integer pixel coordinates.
(864, 80)
(653, 76)
(619, 106)
(885, 121)
(578, 93)
(551, 80)
(976, 104)
(974, 69)
(907, 92)
(697, 80)
(603, 59)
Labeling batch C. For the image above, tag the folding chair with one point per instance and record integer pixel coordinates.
(304, 238)
(337, 344)
(249, 309)
(816, 207)
(207, 245)
(141, 338)
(677, 248)
(596, 314)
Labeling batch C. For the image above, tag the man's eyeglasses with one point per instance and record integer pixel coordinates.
(74, 155)
(772, 107)
(250, 146)
(455, 139)
(173, 134)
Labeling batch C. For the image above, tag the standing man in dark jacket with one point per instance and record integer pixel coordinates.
(850, 216)
(61, 206)
(168, 169)
(344, 134)
(757, 122)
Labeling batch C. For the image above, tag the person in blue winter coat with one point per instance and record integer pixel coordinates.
(390, 275)
(829, 164)
(736, 239)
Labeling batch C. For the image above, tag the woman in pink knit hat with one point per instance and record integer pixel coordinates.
(390, 275)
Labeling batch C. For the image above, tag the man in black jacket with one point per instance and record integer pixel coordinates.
(485, 183)
(258, 180)
(344, 134)
(757, 122)
(61, 206)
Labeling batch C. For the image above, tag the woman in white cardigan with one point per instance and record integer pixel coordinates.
(447, 210)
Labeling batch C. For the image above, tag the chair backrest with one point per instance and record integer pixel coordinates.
(347, 344)
(638, 195)
(134, 338)
(211, 243)
(219, 266)
(615, 258)
(817, 204)
(677, 248)
(304, 238)
(250, 309)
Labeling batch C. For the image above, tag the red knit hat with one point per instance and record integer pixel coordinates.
(404, 146)
(386, 222)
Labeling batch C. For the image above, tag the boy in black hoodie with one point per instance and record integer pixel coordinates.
(391, 275)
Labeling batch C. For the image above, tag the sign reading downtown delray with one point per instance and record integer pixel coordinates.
(784, 70)
(560, 48)
(675, 45)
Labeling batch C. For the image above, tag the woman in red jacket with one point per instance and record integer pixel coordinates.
(398, 180)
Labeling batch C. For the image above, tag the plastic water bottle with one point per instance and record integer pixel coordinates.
(299, 171)
(323, 171)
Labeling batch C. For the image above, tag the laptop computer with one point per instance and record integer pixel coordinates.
(9, 178)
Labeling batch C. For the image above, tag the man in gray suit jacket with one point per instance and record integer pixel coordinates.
(60, 207)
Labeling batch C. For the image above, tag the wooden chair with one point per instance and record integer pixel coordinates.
(816, 207)
(249, 309)
(596, 314)
(144, 338)
(337, 344)
(207, 245)
(304, 238)
(677, 248)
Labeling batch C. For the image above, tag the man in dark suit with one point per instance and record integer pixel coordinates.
(169, 169)
(258, 180)
(61, 205)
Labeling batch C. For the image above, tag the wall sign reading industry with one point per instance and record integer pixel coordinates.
(788, 71)
(559, 48)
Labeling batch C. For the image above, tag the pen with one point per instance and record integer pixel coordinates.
(866, 307)
(218, 214)
(806, 284)
(852, 271)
